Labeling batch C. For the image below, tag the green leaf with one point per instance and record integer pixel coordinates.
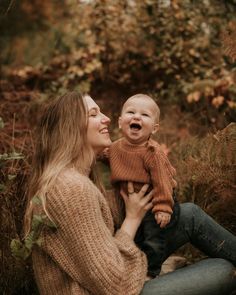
(37, 220)
(3, 156)
(11, 156)
(11, 176)
(29, 240)
(1, 123)
(23, 250)
(15, 156)
(18, 250)
(49, 222)
(194, 177)
(2, 187)
(36, 200)
(38, 242)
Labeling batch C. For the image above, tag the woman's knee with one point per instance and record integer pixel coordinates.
(210, 276)
(190, 209)
(192, 217)
(227, 267)
(226, 272)
(190, 206)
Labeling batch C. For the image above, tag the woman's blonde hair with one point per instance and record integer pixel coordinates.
(61, 142)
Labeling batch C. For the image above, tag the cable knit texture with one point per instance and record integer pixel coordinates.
(144, 164)
(84, 256)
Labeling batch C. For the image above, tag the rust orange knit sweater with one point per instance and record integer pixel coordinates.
(144, 164)
(84, 256)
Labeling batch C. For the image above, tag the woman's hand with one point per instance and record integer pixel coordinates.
(136, 205)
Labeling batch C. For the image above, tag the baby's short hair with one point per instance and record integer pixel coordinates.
(145, 96)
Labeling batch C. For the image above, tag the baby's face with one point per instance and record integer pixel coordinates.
(138, 120)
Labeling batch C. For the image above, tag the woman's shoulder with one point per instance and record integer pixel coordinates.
(70, 178)
(71, 191)
(71, 175)
(71, 183)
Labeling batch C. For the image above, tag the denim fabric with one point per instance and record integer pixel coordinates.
(212, 276)
(198, 228)
(150, 238)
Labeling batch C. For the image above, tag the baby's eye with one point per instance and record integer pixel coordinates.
(130, 112)
(145, 115)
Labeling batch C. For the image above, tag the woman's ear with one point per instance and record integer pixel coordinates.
(155, 128)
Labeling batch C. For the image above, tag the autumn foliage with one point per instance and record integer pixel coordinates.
(181, 52)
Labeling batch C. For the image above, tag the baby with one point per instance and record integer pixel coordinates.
(139, 159)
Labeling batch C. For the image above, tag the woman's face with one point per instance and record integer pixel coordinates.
(97, 132)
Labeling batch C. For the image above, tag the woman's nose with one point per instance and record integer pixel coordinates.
(105, 119)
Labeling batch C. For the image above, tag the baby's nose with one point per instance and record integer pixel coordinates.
(137, 116)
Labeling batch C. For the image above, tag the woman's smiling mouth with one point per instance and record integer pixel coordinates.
(104, 130)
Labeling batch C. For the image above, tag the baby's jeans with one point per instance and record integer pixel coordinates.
(151, 239)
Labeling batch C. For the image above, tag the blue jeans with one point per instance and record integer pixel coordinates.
(210, 276)
(150, 238)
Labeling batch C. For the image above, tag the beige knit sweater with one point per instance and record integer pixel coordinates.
(144, 164)
(84, 256)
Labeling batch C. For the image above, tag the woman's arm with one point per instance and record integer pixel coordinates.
(84, 245)
(136, 204)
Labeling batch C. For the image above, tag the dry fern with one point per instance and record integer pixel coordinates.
(207, 172)
(228, 38)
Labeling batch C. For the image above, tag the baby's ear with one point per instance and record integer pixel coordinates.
(155, 128)
(119, 122)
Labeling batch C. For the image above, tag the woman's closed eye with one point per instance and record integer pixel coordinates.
(93, 113)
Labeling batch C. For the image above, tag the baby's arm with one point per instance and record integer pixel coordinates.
(162, 218)
(161, 173)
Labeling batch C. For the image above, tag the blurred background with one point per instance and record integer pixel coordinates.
(181, 52)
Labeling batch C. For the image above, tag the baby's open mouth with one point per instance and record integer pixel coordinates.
(135, 126)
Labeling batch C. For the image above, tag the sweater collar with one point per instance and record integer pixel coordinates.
(85, 171)
(132, 147)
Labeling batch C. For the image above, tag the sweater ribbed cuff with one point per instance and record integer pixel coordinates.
(124, 238)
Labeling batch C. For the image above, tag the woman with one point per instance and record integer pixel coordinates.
(85, 255)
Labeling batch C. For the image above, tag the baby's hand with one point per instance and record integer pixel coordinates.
(103, 155)
(162, 218)
(106, 152)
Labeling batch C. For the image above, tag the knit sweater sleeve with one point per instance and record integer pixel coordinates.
(85, 247)
(117, 207)
(162, 178)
